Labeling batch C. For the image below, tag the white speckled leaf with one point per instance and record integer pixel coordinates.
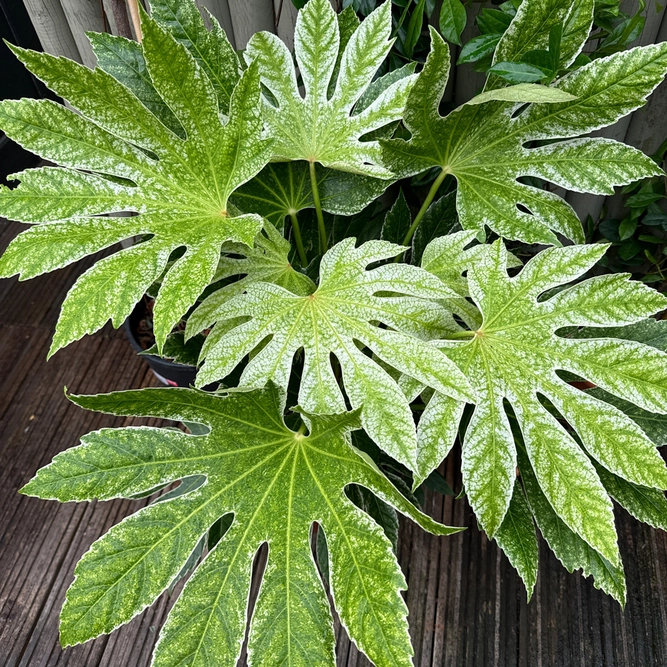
(283, 188)
(532, 24)
(324, 128)
(484, 146)
(276, 483)
(343, 311)
(513, 356)
(573, 552)
(179, 187)
(516, 537)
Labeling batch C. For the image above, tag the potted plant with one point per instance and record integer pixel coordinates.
(353, 340)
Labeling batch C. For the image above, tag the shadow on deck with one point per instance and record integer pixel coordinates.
(467, 606)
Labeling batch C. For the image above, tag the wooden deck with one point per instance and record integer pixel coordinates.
(467, 606)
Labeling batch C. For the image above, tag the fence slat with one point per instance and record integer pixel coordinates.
(55, 36)
(467, 82)
(285, 12)
(249, 17)
(83, 15)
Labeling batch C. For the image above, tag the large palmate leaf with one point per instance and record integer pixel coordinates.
(343, 313)
(514, 355)
(276, 483)
(284, 188)
(329, 127)
(484, 145)
(118, 156)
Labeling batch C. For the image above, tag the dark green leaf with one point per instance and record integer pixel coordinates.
(452, 20)
(440, 219)
(627, 228)
(414, 28)
(478, 48)
(629, 249)
(517, 72)
(643, 199)
(397, 221)
(436, 482)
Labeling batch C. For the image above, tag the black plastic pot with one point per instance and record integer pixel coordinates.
(168, 372)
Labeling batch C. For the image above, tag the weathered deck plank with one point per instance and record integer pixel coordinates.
(467, 606)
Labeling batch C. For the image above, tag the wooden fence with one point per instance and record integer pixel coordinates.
(61, 26)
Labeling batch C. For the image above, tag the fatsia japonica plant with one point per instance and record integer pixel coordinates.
(343, 358)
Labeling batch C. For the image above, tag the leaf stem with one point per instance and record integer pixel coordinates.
(461, 334)
(318, 209)
(297, 238)
(427, 202)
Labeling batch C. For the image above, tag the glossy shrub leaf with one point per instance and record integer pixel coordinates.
(397, 221)
(276, 483)
(533, 25)
(440, 219)
(513, 356)
(284, 188)
(452, 20)
(331, 321)
(414, 28)
(484, 146)
(179, 187)
(319, 127)
(478, 48)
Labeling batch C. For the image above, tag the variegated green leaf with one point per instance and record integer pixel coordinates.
(276, 483)
(484, 146)
(318, 127)
(516, 537)
(179, 187)
(645, 504)
(333, 321)
(284, 188)
(513, 356)
(533, 23)
(573, 552)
